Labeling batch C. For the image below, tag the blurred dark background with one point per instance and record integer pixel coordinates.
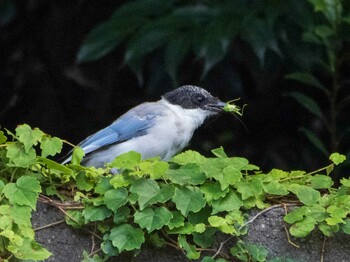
(72, 67)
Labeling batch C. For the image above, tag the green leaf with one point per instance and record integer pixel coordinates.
(3, 138)
(30, 250)
(121, 215)
(84, 182)
(303, 227)
(24, 192)
(188, 199)
(115, 198)
(191, 252)
(156, 169)
(249, 252)
(307, 102)
(315, 140)
(103, 186)
(275, 188)
(127, 160)
(227, 175)
(306, 78)
(328, 230)
(212, 191)
(50, 146)
(99, 213)
(77, 155)
(337, 158)
(306, 195)
(249, 188)
(19, 157)
(153, 219)
(177, 220)
(77, 215)
(205, 239)
(297, 214)
(52, 165)
(148, 192)
(230, 202)
(189, 174)
(29, 137)
(346, 226)
(222, 224)
(321, 181)
(219, 152)
(188, 157)
(126, 237)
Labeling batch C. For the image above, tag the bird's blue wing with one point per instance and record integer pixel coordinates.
(132, 124)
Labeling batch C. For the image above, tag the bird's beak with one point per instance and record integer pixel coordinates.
(216, 105)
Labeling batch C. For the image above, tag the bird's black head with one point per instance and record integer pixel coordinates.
(193, 97)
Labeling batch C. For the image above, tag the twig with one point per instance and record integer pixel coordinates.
(323, 248)
(49, 225)
(286, 230)
(288, 237)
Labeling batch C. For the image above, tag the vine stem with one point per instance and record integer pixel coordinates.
(307, 174)
(249, 222)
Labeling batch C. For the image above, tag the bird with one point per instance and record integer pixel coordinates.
(153, 129)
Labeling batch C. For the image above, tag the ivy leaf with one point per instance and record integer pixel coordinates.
(321, 181)
(19, 157)
(24, 192)
(188, 157)
(189, 174)
(50, 146)
(191, 252)
(212, 191)
(222, 224)
(3, 138)
(303, 227)
(126, 237)
(306, 195)
(147, 191)
(77, 155)
(230, 202)
(219, 152)
(30, 250)
(337, 158)
(177, 220)
(153, 219)
(115, 198)
(307, 102)
(249, 188)
(156, 169)
(77, 215)
(218, 169)
(121, 214)
(275, 188)
(84, 182)
(92, 213)
(328, 230)
(127, 160)
(297, 214)
(346, 226)
(29, 137)
(188, 199)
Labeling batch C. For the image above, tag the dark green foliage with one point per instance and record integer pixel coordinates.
(181, 203)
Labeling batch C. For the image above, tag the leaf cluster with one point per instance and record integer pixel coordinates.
(182, 203)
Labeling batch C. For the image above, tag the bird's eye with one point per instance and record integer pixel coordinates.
(199, 99)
